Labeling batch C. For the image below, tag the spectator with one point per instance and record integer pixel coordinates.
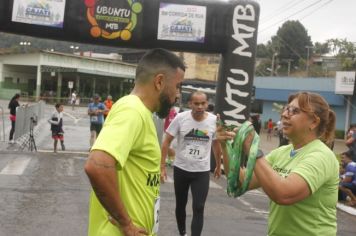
(96, 111)
(283, 140)
(73, 99)
(256, 122)
(347, 184)
(56, 122)
(13, 104)
(269, 129)
(167, 121)
(108, 104)
(210, 108)
(351, 141)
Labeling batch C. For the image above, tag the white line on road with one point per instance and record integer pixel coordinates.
(214, 185)
(258, 211)
(65, 167)
(16, 166)
(73, 117)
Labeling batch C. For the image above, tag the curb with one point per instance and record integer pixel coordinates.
(347, 209)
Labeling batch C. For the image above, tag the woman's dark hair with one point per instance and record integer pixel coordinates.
(314, 104)
(16, 96)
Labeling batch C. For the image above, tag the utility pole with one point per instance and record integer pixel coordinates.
(272, 66)
(289, 61)
(308, 47)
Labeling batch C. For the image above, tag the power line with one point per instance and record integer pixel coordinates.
(282, 10)
(305, 8)
(313, 11)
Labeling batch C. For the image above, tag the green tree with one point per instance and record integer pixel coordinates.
(321, 48)
(291, 41)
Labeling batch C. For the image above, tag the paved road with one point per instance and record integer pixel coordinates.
(47, 194)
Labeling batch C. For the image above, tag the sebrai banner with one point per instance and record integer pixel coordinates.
(205, 26)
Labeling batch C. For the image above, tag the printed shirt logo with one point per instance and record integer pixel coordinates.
(282, 171)
(111, 19)
(197, 135)
(153, 179)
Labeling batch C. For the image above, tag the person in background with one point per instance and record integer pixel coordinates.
(96, 110)
(108, 104)
(124, 164)
(347, 184)
(301, 178)
(283, 140)
(13, 104)
(269, 129)
(167, 121)
(195, 133)
(73, 99)
(351, 141)
(56, 122)
(210, 108)
(256, 122)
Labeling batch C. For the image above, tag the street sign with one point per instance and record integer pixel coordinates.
(70, 84)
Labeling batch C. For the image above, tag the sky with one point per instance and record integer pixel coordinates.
(323, 19)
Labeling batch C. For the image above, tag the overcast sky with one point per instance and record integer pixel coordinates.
(323, 19)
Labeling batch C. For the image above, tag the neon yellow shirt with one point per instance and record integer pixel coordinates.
(315, 215)
(129, 135)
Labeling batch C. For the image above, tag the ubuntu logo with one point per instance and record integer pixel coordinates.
(112, 19)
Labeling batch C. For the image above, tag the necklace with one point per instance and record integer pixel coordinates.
(294, 152)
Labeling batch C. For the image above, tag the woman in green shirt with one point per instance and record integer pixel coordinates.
(301, 178)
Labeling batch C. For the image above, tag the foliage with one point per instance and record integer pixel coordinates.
(339, 134)
(292, 39)
(321, 48)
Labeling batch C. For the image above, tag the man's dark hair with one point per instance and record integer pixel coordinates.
(157, 61)
(348, 154)
(58, 105)
(198, 92)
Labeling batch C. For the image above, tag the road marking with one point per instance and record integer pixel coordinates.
(347, 209)
(256, 210)
(256, 192)
(214, 185)
(73, 117)
(169, 180)
(65, 167)
(63, 152)
(16, 166)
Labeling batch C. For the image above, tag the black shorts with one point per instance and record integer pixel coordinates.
(96, 127)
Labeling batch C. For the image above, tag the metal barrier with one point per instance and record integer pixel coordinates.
(27, 117)
(3, 124)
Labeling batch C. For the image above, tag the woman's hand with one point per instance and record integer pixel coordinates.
(223, 134)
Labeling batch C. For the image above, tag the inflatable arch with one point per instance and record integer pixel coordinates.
(208, 26)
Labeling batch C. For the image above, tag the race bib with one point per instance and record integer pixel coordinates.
(94, 118)
(196, 152)
(156, 215)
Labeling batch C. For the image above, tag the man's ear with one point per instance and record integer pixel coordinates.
(159, 82)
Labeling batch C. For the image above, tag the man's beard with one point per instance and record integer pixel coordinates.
(165, 106)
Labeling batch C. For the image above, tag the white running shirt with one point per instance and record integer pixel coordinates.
(194, 139)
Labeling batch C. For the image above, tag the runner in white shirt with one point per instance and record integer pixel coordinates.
(195, 133)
